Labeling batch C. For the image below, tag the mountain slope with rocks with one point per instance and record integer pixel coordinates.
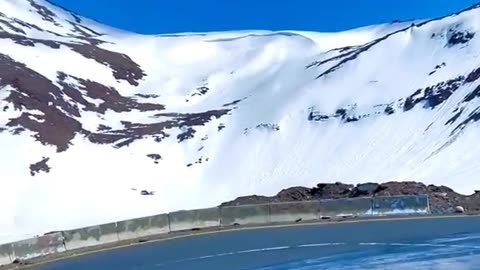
(442, 199)
(99, 124)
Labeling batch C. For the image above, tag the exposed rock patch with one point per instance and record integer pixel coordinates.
(263, 126)
(429, 98)
(123, 67)
(155, 157)
(56, 125)
(459, 37)
(475, 114)
(201, 91)
(437, 68)
(351, 55)
(147, 193)
(473, 76)
(200, 160)
(187, 134)
(44, 12)
(12, 27)
(433, 96)
(90, 36)
(136, 131)
(235, 102)
(346, 115)
(103, 128)
(389, 110)
(454, 118)
(111, 98)
(40, 166)
(35, 92)
(147, 95)
(30, 42)
(472, 117)
(27, 25)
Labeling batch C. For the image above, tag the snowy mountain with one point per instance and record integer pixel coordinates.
(93, 117)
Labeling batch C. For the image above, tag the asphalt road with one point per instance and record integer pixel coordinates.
(437, 243)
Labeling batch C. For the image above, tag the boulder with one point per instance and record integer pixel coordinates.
(331, 191)
(367, 189)
(294, 194)
(459, 209)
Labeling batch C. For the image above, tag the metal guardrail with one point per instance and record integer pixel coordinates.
(255, 214)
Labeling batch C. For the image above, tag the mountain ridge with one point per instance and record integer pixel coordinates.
(90, 115)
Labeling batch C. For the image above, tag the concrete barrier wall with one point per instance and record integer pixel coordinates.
(141, 227)
(208, 218)
(294, 211)
(398, 205)
(346, 207)
(5, 254)
(245, 214)
(37, 247)
(91, 236)
(194, 219)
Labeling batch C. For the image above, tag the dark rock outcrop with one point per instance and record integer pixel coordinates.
(321, 191)
(443, 200)
(40, 166)
(367, 189)
(155, 157)
(459, 37)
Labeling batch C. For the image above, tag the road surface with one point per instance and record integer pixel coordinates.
(434, 243)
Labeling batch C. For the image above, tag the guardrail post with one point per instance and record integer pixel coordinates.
(63, 240)
(429, 211)
(269, 217)
(372, 207)
(221, 216)
(117, 232)
(169, 223)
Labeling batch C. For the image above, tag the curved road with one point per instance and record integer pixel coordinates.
(427, 243)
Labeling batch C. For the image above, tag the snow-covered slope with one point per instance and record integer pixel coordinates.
(90, 116)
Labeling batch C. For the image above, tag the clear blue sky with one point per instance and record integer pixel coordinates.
(173, 16)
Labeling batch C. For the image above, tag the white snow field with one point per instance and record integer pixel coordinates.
(90, 115)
